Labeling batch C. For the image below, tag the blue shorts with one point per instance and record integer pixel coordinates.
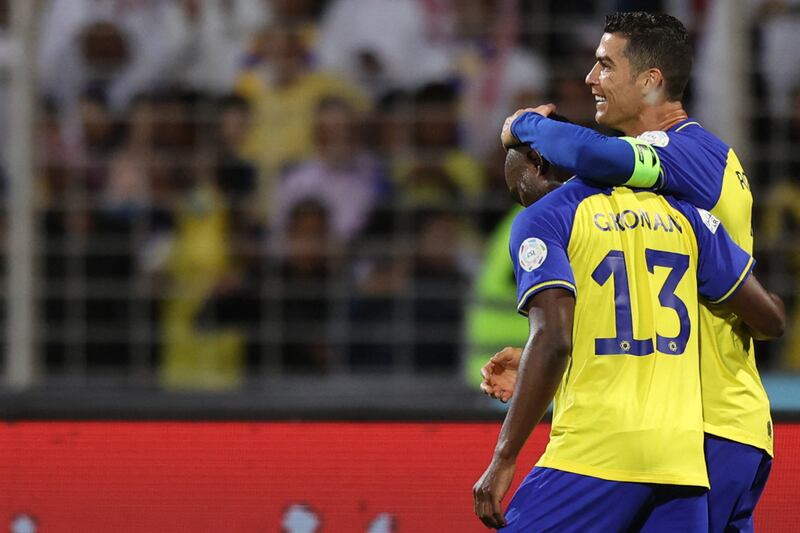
(558, 501)
(738, 473)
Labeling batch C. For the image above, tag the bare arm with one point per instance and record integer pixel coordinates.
(544, 359)
(542, 366)
(761, 310)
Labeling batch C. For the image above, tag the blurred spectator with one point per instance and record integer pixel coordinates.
(380, 45)
(407, 309)
(218, 34)
(779, 225)
(492, 320)
(780, 36)
(439, 286)
(499, 76)
(56, 160)
(342, 176)
(440, 169)
(114, 236)
(115, 48)
(128, 190)
(181, 144)
(235, 176)
(100, 134)
(284, 94)
(301, 14)
(234, 302)
(379, 310)
(198, 256)
(193, 356)
(391, 126)
(304, 305)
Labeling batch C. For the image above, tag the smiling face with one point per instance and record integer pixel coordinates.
(617, 90)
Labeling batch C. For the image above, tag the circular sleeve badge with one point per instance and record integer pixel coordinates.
(532, 253)
(655, 138)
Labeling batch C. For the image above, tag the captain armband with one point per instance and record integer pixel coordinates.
(647, 165)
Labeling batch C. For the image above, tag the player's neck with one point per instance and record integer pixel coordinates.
(657, 118)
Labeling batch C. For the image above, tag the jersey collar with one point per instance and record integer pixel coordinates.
(683, 124)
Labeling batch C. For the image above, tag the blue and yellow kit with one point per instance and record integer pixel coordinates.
(629, 405)
(694, 165)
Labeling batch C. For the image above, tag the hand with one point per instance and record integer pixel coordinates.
(489, 491)
(507, 137)
(500, 374)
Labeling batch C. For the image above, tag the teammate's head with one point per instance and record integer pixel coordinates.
(527, 175)
(643, 59)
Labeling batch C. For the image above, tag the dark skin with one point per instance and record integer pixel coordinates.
(540, 365)
(528, 178)
(543, 360)
(762, 311)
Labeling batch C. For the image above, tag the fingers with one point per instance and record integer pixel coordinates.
(506, 137)
(488, 509)
(497, 514)
(544, 110)
(501, 358)
(504, 357)
(487, 370)
(494, 391)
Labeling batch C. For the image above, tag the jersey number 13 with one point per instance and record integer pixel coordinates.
(613, 265)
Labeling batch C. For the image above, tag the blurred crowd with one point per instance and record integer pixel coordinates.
(229, 189)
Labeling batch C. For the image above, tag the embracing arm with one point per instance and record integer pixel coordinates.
(762, 311)
(541, 368)
(586, 153)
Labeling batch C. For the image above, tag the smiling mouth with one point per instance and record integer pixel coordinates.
(599, 99)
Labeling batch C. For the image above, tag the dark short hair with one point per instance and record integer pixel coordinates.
(656, 40)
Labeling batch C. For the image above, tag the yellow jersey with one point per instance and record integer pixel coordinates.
(629, 406)
(696, 166)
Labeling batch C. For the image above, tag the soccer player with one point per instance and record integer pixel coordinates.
(643, 64)
(609, 279)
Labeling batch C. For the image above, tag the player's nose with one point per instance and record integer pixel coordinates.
(591, 77)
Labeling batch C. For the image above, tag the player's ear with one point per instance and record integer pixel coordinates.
(540, 163)
(535, 159)
(652, 82)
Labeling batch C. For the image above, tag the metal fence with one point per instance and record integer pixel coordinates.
(161, 251)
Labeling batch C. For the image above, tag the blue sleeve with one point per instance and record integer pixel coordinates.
(693, 163)
(722, 265)
(538, 248)
(579, 150)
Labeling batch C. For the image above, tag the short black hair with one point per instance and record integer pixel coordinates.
(656, 40)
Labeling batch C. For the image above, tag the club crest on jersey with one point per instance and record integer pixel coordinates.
(532, 253)
(655, 138)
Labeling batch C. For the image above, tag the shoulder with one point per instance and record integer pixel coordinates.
(688, 136)
(701, 220)
(692, 160)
